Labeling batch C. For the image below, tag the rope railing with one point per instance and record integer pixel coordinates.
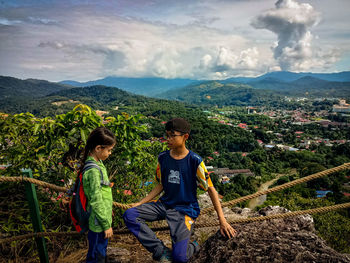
(33, 181)
(201, 225)
(281, 187)
(48, 185)
(204, 211)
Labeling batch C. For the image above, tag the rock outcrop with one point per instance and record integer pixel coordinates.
(291, 239)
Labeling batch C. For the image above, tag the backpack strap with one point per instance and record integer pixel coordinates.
(91, 164)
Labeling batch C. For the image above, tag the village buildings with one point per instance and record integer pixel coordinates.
(342, 107)
(225, 174)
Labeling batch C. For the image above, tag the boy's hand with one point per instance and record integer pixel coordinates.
(227, 230)
(109, 233)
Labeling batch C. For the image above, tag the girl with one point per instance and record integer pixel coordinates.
(98, 147)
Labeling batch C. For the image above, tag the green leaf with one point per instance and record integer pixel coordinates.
(83, 135)
(72, 131)
(36, 128)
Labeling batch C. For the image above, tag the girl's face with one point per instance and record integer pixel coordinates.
(103, 152)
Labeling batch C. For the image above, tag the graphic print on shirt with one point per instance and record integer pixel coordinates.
(174, 177)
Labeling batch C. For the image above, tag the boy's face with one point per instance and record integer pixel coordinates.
(176, 139)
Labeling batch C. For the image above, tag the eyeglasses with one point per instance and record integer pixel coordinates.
(172, 136)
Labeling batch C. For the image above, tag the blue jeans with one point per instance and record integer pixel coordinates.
(97, 247)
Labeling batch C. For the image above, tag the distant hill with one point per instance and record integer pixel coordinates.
(43, 98)
(13, 88)
(287, 76)
(142, 86)
(310, 86)
(155, 86)
(101, 96)
(216, 93)
(257, 92)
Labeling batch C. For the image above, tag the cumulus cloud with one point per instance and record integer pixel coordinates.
(224, 62)
(292, 22)
(136, 48)
(84, 43)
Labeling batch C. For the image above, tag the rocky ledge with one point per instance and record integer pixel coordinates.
(280, 240)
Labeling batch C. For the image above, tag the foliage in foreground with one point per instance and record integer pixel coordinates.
(52, 147)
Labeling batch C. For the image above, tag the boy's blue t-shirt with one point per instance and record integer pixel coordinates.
(180, 179)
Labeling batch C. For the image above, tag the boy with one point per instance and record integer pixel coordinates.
(179, 170)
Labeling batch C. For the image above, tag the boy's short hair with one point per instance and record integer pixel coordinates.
(178, 124)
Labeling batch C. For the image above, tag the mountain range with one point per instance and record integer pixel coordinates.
(142, 86)
(39, 96)
(155, 86)
(287, 76)
(258, 91)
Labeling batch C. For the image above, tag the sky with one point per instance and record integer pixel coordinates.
(86, 40)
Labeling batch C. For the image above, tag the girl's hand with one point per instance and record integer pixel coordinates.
(109, 233)
(135, 204)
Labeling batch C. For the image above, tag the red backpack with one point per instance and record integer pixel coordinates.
(79, 202)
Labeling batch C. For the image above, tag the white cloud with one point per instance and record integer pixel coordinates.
(8, 22)
(292, 22)
(44, 21)
(224, 61)
(141, 48)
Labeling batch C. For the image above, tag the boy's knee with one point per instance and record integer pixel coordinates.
(130, 215)
(130, 218)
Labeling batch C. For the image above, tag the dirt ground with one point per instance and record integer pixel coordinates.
(126, 248)
(123, 248)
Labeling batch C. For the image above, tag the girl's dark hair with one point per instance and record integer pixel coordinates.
(99, 136)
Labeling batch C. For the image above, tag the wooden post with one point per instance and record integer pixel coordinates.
(35, 216)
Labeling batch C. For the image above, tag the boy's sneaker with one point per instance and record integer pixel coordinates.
(196, 246)
(166, 256)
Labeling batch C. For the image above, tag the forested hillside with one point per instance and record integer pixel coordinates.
(143, 86)
(13, 88)
(305, 87)
(263, 92)
(215, 93)
(288, 76)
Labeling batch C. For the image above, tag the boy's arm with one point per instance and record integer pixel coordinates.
(155, 192)
(225, 228)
